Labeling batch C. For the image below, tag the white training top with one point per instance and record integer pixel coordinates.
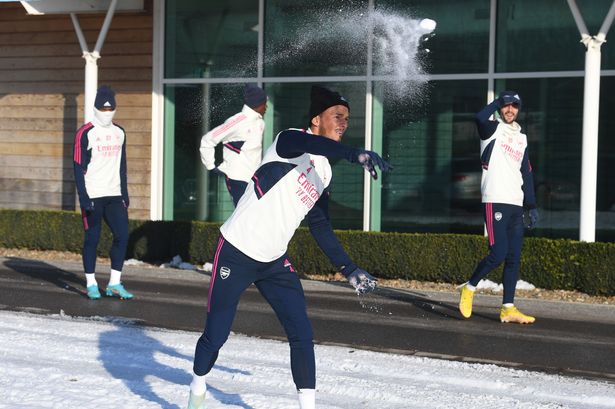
(502, 179)
(240, 160)
(103, 171)
(277, 199)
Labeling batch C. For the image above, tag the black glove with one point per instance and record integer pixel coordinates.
(87, 205)
(362, 281)
(370, 160)
(533, 213)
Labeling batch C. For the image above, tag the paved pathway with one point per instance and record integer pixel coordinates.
(568, 338)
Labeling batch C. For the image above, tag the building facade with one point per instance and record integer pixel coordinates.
(179, 67)
(42, 99)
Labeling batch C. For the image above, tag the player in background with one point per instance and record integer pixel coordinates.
(242, 136)
(99, 162)
(507, 187)
(291, 182)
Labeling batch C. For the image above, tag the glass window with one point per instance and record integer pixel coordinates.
(291, 103)
(460, 43)
(434, 146)
(428, 135)
(528, 40)
(315, 38)
(553, 125)
(605, 205)
(555, 131)
(218, 38)
(197, 193)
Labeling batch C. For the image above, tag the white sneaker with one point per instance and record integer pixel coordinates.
(196, 401)
(307, 398)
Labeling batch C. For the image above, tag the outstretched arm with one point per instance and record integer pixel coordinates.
(293, 143)
(322, 231)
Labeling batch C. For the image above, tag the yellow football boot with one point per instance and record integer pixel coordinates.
(465, 302)
(512, 314)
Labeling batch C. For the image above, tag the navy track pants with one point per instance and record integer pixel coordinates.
(505, 230)
(278, 282)
(115, 213)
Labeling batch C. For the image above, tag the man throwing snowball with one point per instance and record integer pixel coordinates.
(291, 182)
(507, 187)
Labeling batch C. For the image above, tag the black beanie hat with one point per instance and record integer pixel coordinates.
(105, 97)
(511, 97)
(254, 96)
(322, 99)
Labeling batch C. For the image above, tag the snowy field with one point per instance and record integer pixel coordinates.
(65, 362)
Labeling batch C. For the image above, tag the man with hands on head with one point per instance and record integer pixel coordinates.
(507, 187)
(291, 182)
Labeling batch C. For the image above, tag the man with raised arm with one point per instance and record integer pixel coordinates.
(291, 182)
(507, 187)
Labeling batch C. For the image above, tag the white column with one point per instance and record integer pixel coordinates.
(91, 71)
(591, 105)
(157, 158)
(367, 180)
(91, 65)
(91, 84)
(589, 158)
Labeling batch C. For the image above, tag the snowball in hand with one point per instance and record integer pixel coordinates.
(427, 25)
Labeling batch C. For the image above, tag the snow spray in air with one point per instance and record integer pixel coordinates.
(370, 303)
(397, 53)
(396, 57)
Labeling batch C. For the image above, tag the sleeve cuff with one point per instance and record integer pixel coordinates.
(347, 269)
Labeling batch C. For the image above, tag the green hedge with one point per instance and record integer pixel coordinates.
(546, 263)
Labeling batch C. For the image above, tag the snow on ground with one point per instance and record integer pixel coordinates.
(498, 288)
(66, 362)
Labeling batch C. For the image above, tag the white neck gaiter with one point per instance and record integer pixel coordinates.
(104, 118)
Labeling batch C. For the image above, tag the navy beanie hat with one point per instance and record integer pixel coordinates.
(321, 99)
(254, 96)
(511, 97)
(105, 97)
